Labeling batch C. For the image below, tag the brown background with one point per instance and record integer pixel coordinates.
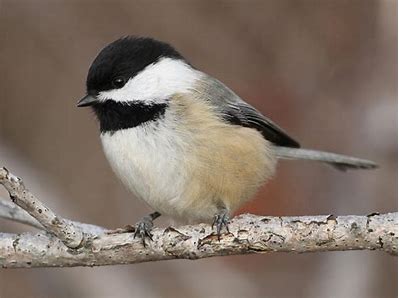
(326, 71)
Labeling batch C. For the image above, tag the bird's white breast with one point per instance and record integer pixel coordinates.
(188, 163)
(147, 159)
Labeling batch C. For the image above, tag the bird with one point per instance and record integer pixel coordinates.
(181, 140)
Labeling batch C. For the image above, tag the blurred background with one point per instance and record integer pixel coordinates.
(326, 71)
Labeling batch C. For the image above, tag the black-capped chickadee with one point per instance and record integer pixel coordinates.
(181, 140)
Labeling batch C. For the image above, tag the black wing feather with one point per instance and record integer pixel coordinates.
(247, 116)
(236, 111)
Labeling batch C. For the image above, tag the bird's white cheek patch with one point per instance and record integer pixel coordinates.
(156, 83)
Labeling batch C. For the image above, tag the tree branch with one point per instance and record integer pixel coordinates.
(65, 230)
(15, 213)
(74, 244)
(12, 212)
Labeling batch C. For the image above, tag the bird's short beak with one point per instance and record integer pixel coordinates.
(86, 101)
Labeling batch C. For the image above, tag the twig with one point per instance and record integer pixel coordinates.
(12, 212)
(248, 234)
(69, 234)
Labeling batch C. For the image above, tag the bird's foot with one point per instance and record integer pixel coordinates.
(143, 228)
(221, 220)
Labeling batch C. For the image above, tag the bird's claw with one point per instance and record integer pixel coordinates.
(221, 220)
(143, 229)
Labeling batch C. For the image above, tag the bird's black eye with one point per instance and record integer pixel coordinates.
(119, 82)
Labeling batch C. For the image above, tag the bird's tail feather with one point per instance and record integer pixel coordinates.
(341, 162)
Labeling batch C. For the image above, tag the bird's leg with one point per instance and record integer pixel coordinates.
(143, 228)
(221, 219)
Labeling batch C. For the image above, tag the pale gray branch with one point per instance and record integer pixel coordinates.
(66, 243)
(248, 234)
(72, 236)
(12, 212)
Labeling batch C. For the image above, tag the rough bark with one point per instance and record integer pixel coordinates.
(65, 243)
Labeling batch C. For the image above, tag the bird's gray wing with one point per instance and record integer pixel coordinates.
(236, 111)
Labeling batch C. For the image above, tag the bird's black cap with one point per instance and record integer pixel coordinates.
(125, 58)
